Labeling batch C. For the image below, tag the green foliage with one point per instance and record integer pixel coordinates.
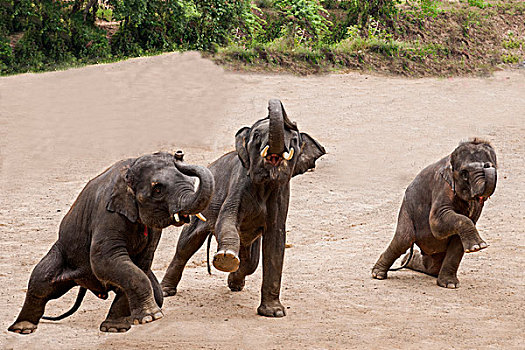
(6, 56)
(512, 41)
(105, 14)
(361, 12)
(6, 16)
(510, 58)
(479, 3)
(304, 20)
(159, 25)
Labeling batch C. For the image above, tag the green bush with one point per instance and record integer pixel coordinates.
(304, 20)
(6, 56)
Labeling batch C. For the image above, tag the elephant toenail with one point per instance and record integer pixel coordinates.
(147, 319)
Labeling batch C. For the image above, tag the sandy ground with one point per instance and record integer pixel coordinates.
(58, 130)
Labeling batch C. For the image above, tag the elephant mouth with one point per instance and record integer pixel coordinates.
(274, 159)
(180, 218)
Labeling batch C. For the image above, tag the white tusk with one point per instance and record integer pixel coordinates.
(176, 217)
(265, 151)
(200, 216)
(287, 155)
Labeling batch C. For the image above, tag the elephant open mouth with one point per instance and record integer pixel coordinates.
(180, 219)
(274, 159)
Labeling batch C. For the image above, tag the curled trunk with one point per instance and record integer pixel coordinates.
(200, 200)
(490, 181)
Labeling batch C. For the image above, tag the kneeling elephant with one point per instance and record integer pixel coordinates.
(109, 236)
(440, 211)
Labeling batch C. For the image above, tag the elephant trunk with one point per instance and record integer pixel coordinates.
(199, 201)
(276, 135)
(491, 177)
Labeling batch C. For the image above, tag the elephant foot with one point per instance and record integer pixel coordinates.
(379, 272)
(118, 325)
(23, 327)
(235, 285)
(168, 291)
(272, 309)
(147, 316)
(226, 261)
(473, 244)
(450, 282)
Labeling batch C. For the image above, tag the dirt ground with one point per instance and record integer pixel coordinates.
(59, 129)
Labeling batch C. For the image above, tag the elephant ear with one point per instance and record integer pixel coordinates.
(240, 146)
(122, 198)
(446, 173)
(311, 150)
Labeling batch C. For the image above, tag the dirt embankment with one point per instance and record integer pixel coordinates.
(58, 130)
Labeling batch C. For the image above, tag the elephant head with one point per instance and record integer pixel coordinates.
(273, 149)
(474, 172)
(159, 190)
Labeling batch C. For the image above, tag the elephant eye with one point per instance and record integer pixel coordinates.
(156, 189)
(256, 135)
(464, 175)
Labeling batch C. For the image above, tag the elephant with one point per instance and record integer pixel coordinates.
(439, 213)
(108, 238)
(250, 205)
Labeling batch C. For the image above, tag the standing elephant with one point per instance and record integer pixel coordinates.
(250, 202)
(109, 236)
(440, 211)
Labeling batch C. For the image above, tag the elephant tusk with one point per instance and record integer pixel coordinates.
(176, 217)
(265, 151)
(287, 155)
(200, 216)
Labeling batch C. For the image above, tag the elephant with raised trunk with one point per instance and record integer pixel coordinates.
(440, 211)
(250, 203)
(109, 236)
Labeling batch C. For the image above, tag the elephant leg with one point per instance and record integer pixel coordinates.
(403, 239)
(273, 258)
(428, 264)
(190, 240)
(447, 277)
(40, 290)
(118, 319)
(249, 261)
(111, 263)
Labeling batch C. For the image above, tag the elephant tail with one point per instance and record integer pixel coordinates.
(410, 255)
(78, 301)
(208, 253)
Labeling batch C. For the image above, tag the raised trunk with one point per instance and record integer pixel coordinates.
(276, 135)
(490, 181)
(200, 200)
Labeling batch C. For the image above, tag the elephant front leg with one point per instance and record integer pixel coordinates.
(273, 257)
(228, 244)
(445, 223)
(118, 318)
(113, 265)
(447, 277)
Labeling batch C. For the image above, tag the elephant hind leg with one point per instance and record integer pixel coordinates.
(403, 239)
(249, 262)
(428, 264)
(191, 239)
(41, 289)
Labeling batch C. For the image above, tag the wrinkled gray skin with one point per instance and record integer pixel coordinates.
(109, 236)
(440, 211)
(250, 203)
